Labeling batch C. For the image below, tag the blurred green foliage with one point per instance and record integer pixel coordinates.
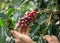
(47, 22)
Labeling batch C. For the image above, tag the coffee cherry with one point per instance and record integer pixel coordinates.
(26, 22)
(34, 16)
(20, 23)
(27, 13)
(29, 17)
(34, 11)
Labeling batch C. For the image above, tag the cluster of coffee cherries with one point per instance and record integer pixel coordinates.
(29, 17)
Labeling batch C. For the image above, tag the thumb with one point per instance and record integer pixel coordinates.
(15, 34)
(55, 38)
(48, 38)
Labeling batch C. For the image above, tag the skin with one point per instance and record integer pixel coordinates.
(22, 30)
(51, 39)
(21, 38)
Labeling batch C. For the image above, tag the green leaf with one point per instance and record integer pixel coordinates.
(3, 16)
(35, 30)
(3, 5)
(10, 11)
(18, 15)
(1, 23)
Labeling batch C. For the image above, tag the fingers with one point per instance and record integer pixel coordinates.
(21, 37)
(24, 31)
(15, 34)
(51, 39)
(55, 38)
(20, 30)
(27, 31)
(48, 38)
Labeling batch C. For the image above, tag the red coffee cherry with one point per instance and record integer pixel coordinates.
(27, 13)
(29, 17)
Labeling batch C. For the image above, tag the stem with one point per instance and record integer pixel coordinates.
(23, 3)
(58, 4)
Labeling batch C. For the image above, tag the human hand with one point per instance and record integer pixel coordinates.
(21, 38)
(51, 39)
(22, 29)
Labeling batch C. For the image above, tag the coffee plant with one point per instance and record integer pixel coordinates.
(41, 16)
